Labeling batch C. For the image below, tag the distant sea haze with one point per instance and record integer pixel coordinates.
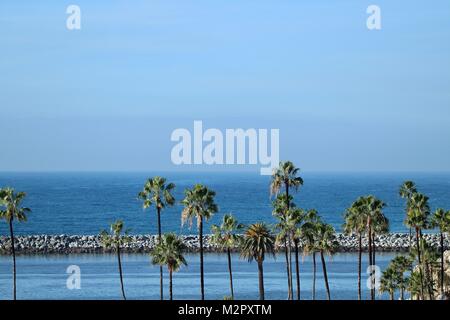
(85, 203)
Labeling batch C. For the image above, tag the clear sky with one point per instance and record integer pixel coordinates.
(107, 97)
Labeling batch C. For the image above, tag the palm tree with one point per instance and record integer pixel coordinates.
(10, 209)
(307, 232)
(401, 264)
(286, 176)
(355, 223)
(389, 282)
(258, 241)
(376, 222)
(441, 220)
(407, 189)
(325, 243)
(286, 228)
(430, 258)
(199, 204)
(157, 192)
(414, 285)
(417, 218)
(169, 252)
(225, 237)
(115, 241)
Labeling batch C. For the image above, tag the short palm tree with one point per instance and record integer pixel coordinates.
(355, 223)
(286, 176)
(156, 192)
(10, 210)
(414, 285)
(401, 264)
(308, 233)
(326, 244)
(258, 242)
(115, 240)
(441, 220)
(389, 282)
(226, 237)
(169, 252)
(199, 204)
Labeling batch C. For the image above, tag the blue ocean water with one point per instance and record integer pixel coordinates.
(45, 277)
(85, 203)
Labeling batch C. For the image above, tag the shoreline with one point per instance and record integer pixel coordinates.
(82, 244)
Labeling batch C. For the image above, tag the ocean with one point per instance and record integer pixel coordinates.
(85, 203)
(45, 277)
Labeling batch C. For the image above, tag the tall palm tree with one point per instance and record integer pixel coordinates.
(10, 210)
(407, 189)
(355, 223)
(115, 240)
(169, 252)
(307, 232)
(156, 192)
(372, 209)
(286, 228)
(326, 244)
(258, 241)
(417, 218)
(199, 204)
(401, 264)
(389, 282)
(226, 237)
(286, 176)
(441, 220)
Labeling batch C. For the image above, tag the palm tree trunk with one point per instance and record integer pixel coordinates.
(442, 265)
(291, 287)
(420, 265)
(161, 283)
(202, 279)
(429, 281)
(261, 279)
(314, 276)
(391, 294)
(13, 252)
(288, 272)
(402, 290)
(372, 295)
(410, 238)
(359, 264)
(374, 249)
(325, 275)
(170, 284)
(230, 272)
(297, 269)
(288, 249)
(120, 272)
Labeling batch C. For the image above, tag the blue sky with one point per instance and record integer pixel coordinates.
(107, 97)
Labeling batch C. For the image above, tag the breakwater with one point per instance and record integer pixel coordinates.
(73, 244)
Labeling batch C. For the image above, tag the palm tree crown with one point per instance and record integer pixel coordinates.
(198, 204)
(169, 252)
(11, 203)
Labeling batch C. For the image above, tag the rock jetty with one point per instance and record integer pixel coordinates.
(73, 244)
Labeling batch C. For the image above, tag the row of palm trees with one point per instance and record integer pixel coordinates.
(295, 226)
(296, 232)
